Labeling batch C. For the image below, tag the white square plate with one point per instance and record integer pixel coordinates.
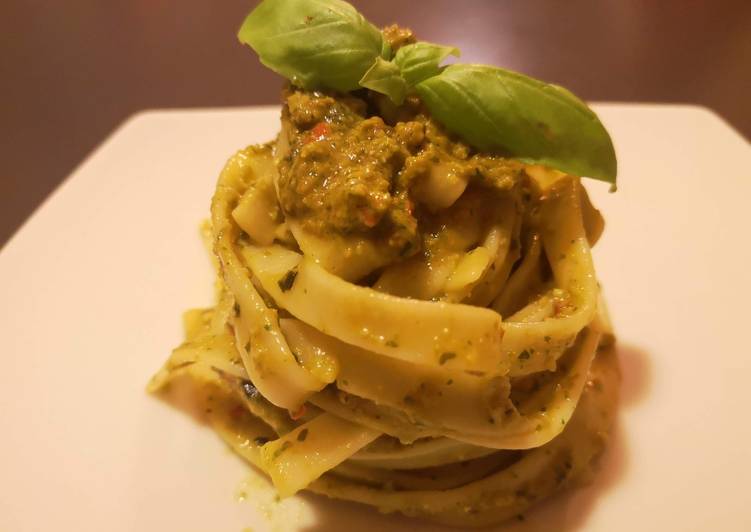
(93, 286)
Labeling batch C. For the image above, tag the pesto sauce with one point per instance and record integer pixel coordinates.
(353, 166)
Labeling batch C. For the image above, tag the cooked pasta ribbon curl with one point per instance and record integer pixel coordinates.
(461, 378)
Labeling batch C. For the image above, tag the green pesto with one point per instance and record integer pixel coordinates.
(350, 165)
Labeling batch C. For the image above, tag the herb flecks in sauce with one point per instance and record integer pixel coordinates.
(361, 166)
(261, 440)
(288, 280)
(445, 357)
(285, 445)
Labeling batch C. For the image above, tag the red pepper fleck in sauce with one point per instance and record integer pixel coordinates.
(297, 415)
(319, 132)
(410, 207)
(368, 217)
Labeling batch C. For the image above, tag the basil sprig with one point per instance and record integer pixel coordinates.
(386, 77)
(412, 64)
(422, 60)
(314, 43)
(328, 44)
(539, 123)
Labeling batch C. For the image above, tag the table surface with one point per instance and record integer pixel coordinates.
(70, 72)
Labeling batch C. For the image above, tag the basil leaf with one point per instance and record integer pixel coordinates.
(422, 60)
(496, 109)
(313, 43)
(386, 78)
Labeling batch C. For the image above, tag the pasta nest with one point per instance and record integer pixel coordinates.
(463, 408)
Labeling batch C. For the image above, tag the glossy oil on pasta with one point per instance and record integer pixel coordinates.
(401, 320)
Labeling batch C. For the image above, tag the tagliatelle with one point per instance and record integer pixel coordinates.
(438, 353)
(418, 331)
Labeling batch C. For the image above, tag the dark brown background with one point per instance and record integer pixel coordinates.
(70, 71)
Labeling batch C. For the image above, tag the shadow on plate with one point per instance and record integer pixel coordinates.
(566, 512)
